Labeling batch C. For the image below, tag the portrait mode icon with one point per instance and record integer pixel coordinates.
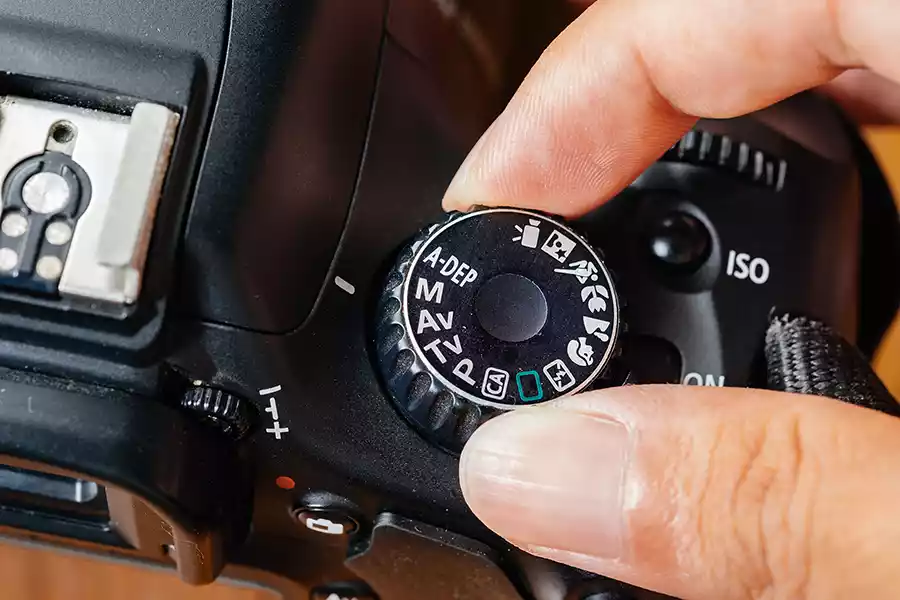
(529, 236)
(529, 384)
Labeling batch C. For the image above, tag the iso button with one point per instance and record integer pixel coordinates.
(680, 242)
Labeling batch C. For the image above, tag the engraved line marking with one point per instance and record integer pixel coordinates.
(345, 285)
(270, 390)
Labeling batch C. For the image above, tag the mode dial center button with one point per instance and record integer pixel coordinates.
(511, 307)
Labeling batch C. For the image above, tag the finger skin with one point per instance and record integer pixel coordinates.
(699, 493)
(868, 98)
(628, 77)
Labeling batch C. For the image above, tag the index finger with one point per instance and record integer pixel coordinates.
(629, 77)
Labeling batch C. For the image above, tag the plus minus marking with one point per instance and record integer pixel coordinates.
(276, 429)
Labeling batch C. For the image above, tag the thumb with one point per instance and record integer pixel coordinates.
(698, 493)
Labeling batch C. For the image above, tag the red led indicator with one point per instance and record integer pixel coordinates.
(285, 483)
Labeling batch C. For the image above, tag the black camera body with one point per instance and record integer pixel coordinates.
(196, 260)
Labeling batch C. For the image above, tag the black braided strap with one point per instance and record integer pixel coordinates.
(805, 356)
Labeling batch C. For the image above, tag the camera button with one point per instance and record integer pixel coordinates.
(612, 595)
(326, 521)
(511, 307)
(680, 242)
(341, 592)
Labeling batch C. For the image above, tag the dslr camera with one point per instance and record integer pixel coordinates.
(240, 339)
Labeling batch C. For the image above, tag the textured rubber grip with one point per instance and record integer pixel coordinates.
(806, 356)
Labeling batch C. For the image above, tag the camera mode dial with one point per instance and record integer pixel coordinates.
(493, 310)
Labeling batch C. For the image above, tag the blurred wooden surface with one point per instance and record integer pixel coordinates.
(27, 573)
(30, 574)
(885, 142)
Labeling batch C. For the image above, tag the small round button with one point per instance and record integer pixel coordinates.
(325, 520)
(511, 307)
(680, 241)
(342, 591)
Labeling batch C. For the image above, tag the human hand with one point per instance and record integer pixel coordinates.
(694, 492)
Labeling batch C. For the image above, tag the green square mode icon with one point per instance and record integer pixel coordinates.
(529, 384)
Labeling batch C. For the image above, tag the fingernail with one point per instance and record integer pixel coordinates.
(550, 478)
